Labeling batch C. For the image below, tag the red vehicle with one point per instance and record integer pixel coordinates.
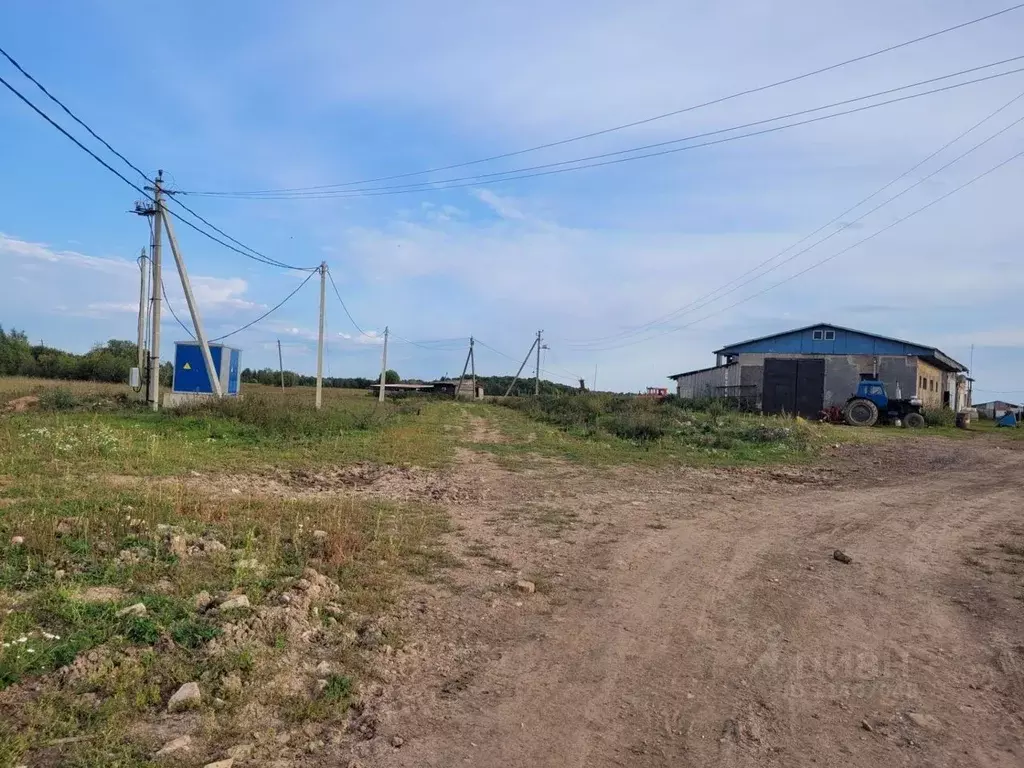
(657, 393)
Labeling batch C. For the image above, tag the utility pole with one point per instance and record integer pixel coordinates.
(193, 308)
(595, 377)
(472, 364)
(383, 366)
(280, 363)
(320, 338)
(462, 378)
(536, 379)
(157, 280)
(143, 312)
(525, 361)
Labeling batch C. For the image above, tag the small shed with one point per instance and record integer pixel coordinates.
(191, 377)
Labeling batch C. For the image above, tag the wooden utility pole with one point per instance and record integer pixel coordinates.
(320, 337)
(383, 367)
(280, 363)
(154, 345)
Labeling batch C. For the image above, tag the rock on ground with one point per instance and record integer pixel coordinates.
(235, 603)
(175, 745)
(138, 609)
(526, 587)
(187, 697)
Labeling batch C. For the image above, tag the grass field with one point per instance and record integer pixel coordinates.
(115, 521)
(95, 518)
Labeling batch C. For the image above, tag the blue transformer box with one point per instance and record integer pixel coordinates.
(190, 375)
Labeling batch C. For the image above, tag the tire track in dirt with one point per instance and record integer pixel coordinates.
(729, 637)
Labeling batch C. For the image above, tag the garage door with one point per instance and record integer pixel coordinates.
(793, 386)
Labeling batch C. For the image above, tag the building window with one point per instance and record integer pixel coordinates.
(830, 335)
(818, 335)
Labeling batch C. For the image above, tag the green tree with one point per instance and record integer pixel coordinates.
(391, 377)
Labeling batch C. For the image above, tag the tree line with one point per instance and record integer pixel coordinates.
(112, 361)
(108, 362)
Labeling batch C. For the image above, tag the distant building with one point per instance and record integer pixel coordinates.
(806, 370)
(996, 409)
(445, 387)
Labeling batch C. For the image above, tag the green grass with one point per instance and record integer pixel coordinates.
(607, 430)
(72, 518)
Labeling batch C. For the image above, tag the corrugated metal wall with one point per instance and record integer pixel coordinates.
(706, 383)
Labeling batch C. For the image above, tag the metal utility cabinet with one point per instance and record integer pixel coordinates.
(190, 377)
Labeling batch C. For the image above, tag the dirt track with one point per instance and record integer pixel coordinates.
(697, 617)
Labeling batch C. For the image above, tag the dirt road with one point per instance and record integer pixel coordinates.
(697, 617)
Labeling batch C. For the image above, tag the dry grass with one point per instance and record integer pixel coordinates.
(86, 686)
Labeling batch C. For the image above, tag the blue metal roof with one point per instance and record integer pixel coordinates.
(844, 341)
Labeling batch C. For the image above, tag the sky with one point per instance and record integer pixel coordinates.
(316, 93)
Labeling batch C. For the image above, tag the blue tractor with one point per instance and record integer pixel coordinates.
(872, 405)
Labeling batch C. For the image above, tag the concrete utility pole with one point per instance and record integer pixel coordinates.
(472, 365)
(280, 363)
(320, 338)
(383, 367)
(193, 308)
(525, 361)
(143, 312)
(462, 378)
(536, 379)
(154, 346)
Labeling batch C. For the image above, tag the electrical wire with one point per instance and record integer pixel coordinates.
(425, 344)
(673, 113)
(73, 116)
(817, 264)
(79, 144)
(549, 169)
(123, 178)
(167, 302)
(497, 351)
(268, 312)
(253, 253)
(345, 307)
(711, 297)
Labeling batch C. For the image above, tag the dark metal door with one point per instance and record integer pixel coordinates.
(794, 387)
(810, 388)
(779, 393)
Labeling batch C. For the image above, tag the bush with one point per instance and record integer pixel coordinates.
(940, 417)
(57, 399)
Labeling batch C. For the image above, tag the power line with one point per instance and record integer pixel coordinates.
(497, 351)
(448, 344)
(345, 307)
(79, 144)
(268, 312)
(73, 116)
(817, 264)
(549, 169)
(710, 297)
(167, 303)
(123, 178)
(254, 254)
(644, 121)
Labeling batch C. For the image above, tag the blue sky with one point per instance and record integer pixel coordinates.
(293, 95)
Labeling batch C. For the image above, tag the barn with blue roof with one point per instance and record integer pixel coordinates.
(806, 370)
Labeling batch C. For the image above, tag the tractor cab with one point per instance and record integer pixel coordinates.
(873, 390)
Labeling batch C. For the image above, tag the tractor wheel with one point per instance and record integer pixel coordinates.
(913, 420)
(861, 413)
